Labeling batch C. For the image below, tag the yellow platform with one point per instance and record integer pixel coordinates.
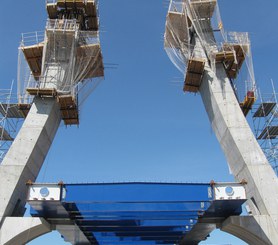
(33, 56)
(47, 92)
(69, 109)
(248, 102)
(232, 56)
(194, 75)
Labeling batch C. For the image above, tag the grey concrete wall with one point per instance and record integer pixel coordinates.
(19, 231)
(26, 155)
(244, 156)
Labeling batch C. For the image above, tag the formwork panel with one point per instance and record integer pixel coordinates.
(95, 66)
(194, 75)
(49, 92)
(33, 56)
(176, 29)
(69, 109)
(233, 56)
(203, 8)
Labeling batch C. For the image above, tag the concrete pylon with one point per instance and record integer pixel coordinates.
(27, 229)
(26, 155)
(244, 155)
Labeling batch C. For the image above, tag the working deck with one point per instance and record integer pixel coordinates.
(232, 56)
(248, 102)
(91, 53)
(33, 56)
(194, 75)
(69, 109)
(84, 11)
(68, 103)
(270, 132)
(176, 30)
(264, 109)
(203, 8)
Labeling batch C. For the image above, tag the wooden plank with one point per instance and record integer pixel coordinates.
(11, 111)
(71, 121)
(92, 23)
(176, 30)
(70, 3)
(189, 88)
(42, 91)
(193, 79)
(203, 8)
(224, 56)
(95, 66)
(33, 56)
(90, 8)
(69, 109)
(24, 108)
(52, 10)
(227, 56)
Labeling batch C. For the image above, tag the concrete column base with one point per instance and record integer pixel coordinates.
(255, 230)
(19, 231)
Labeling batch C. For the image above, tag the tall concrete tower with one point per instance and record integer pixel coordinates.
(210, 60)
(65, 64)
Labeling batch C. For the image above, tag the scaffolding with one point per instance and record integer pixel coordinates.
(191, 21)
(65, 61)
(10, 117)
(265, 120)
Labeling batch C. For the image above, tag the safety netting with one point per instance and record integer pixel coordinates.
(194, 30)
(67, 59)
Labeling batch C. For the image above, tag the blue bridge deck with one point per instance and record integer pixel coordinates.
(136, 213)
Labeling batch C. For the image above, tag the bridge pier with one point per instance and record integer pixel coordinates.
(244, 156)
(255, 230)
(20, 230)
(26, 156)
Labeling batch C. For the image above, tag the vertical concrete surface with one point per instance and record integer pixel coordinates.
(20, 230)
(244, 155)
(26, 155)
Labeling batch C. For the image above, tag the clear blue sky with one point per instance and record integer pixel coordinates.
(138, 125)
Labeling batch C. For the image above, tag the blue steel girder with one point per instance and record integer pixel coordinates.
(135, 213)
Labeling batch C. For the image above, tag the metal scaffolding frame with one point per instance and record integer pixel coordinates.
(265, 121)
(9, 120)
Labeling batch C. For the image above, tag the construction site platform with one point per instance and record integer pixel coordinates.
(264, 109)
(51, 92)
(203, 8)
(85, 11)
(232, 56)
(176, 30)
(12, 110)
(33, 56)
(270, 132)
(194, 75)
(68, 103)
(248, 102)
(91, 52)
(69, 109)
